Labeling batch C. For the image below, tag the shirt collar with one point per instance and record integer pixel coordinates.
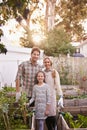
(48, 70)
(33, 64)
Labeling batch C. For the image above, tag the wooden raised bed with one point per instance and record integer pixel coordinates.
(62, 125)
(75, 106)
(76, 110)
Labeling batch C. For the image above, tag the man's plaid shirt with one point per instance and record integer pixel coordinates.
(26, 74)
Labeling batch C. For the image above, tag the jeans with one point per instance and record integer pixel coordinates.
(39, 124)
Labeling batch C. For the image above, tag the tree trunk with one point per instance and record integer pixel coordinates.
(50, 14)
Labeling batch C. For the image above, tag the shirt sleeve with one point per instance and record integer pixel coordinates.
(48, 95)
(20, 72)
(57, 84)
(34, 93)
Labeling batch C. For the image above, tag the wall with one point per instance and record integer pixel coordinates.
(83, 48)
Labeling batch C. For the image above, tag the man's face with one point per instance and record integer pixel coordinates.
(35, 56)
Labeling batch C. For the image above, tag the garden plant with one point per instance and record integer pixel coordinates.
(14, 115)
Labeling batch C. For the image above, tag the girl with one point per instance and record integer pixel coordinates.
(53, 80)
(41, 96)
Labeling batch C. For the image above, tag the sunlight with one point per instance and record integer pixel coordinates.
(37, 39)
(12, 32)
(85, 25)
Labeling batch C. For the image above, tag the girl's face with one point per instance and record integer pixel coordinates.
(47, 63)
(40, 77)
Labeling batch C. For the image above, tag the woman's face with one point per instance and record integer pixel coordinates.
(47, 63)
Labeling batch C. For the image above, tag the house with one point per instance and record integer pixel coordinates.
(83, 48)
(9, 63)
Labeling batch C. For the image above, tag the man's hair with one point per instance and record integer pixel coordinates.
(35, 49)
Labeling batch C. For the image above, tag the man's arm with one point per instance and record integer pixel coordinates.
(18, 93)
(17, 85)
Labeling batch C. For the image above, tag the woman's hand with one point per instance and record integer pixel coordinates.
(46, 113)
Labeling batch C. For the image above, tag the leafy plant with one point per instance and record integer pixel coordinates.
(14, 115)
(78, 122)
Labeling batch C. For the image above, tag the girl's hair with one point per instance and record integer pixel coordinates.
(36, 81)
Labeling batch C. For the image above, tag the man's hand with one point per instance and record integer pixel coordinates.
(60, 102)
(18, 95)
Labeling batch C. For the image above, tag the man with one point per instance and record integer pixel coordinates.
(26, 74)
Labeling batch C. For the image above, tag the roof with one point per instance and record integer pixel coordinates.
(78, 55)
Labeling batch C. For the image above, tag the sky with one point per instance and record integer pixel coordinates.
(85, 25)
(12, 32)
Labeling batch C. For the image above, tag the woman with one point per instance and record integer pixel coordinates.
(53, 80)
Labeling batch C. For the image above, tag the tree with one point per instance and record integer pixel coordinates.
(19, 9)
(2, 47)
(50, 14)
(72, 13)
(57, 42)
(14, 8)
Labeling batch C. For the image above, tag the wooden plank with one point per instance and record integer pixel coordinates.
(74, 110)
(62, 125)
(77, 129)
(75, 102)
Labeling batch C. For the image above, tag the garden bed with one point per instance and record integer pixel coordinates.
(75, 106)
(62, 125)
(74, 110)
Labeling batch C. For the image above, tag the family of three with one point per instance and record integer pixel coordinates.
(42, 85)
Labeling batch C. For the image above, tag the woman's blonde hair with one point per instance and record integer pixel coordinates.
(48, 59)
(53, 71)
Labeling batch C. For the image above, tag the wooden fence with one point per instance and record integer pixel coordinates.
(72, 70)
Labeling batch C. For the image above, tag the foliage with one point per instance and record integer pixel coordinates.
(57, 42)
(21, 10)
(3, 49)
(76, 122)
(26, 40)
(72, 13)
(14, 8)
(76, 97)
(14, 115)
